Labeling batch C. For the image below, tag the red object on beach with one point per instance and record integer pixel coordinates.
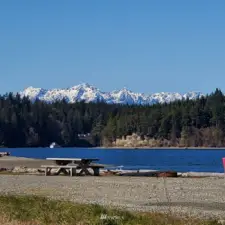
(223, 159)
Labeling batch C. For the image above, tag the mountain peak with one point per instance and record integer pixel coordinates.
(88, 93)
(125, 89)
(85, 85)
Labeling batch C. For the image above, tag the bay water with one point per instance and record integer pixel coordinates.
(182, 160)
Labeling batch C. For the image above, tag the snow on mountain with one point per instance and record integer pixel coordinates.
(34, 93)
(88, 93)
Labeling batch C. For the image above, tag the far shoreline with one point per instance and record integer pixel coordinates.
(162, 148)
(124, 148)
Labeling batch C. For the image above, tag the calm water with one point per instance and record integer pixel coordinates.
(178, 160)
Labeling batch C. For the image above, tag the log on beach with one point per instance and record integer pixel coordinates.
(150, 173)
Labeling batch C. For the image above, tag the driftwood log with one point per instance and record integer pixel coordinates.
(167, 174)
(150, 174)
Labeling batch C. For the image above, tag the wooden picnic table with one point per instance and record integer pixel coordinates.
(63, 164)
(66, 161)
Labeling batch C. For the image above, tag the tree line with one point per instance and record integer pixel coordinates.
(182, 123)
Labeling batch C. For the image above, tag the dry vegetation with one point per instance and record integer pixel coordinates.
(33, 210)
(136, 140)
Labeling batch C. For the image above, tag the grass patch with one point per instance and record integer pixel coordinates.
(39, 210)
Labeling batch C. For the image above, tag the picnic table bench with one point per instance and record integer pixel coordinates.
(69, 166)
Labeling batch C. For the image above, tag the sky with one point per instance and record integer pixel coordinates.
(146, 46)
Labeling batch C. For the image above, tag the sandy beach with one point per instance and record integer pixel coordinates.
(201, 197)
(11, 162)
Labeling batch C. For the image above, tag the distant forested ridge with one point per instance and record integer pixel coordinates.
(189, 123)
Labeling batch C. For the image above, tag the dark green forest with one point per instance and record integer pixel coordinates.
(187, 123)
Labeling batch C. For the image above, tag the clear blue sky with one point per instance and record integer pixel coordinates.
(147, 46)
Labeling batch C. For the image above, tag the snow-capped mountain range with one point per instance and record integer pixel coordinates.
(89, 93)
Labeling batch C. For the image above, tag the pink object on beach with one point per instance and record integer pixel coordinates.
(223, 159)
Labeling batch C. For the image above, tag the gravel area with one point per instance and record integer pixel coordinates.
(200, 197)
(12, 161)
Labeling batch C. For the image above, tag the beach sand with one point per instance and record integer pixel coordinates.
(200, 197)
(11, 162)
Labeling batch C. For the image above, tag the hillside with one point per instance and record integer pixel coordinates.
(182, 123)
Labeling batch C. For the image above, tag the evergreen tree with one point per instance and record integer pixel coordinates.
(109, 132)
(96, 132)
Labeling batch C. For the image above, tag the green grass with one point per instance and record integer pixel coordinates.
(39, 210)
